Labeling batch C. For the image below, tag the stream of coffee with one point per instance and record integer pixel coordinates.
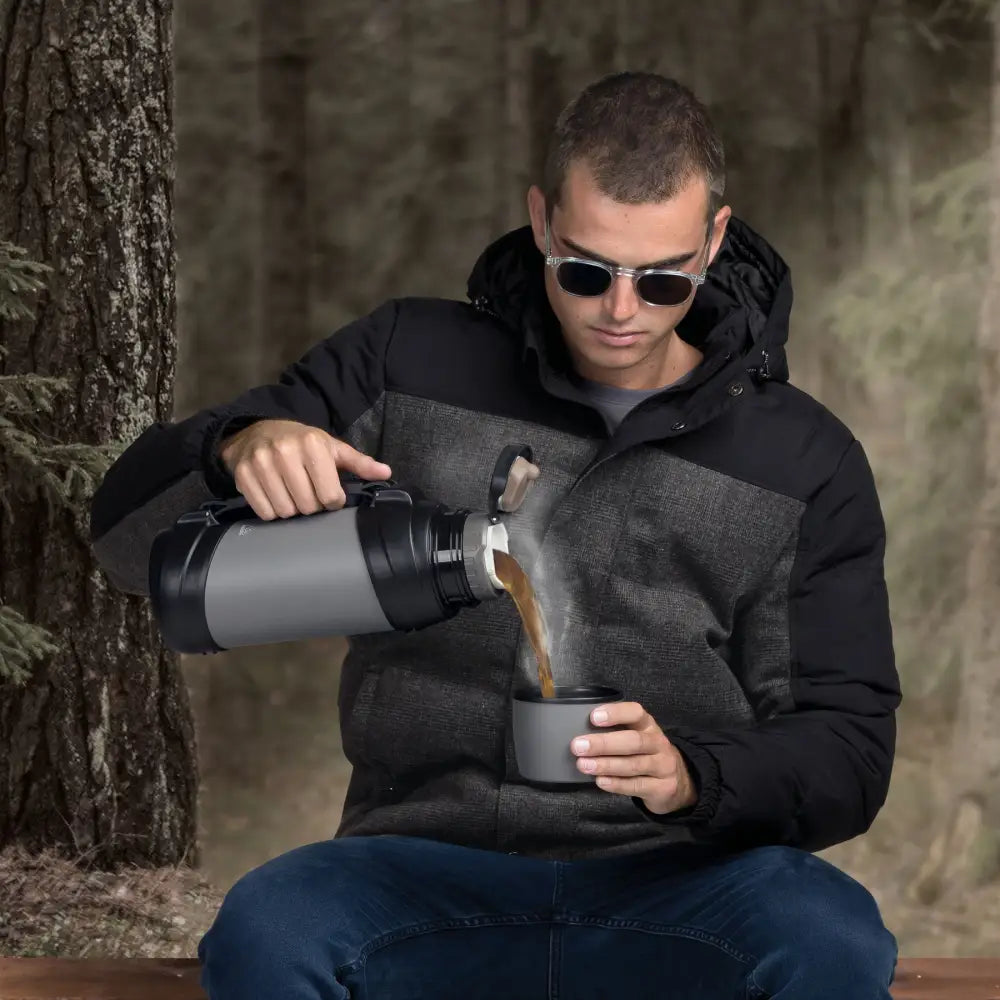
(517, 584)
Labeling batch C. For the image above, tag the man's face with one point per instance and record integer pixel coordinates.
(617, 338)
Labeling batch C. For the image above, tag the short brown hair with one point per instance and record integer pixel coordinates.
(642, 135)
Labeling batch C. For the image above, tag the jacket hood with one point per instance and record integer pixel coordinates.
(741, 311)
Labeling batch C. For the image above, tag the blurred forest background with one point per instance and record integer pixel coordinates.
(334, 153)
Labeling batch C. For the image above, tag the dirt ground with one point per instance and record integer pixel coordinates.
(274, 777)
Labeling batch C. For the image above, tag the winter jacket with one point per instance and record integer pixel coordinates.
(718, 558)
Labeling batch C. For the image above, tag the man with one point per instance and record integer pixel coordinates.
(714, 540)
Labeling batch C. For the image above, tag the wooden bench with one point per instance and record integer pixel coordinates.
(99, 979)
(177, 979)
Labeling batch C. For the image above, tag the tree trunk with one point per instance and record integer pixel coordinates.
(842, 42)
(967, 852)
(218, 203)
(99, 756)
(516, 138)
(841, 114)
(888, 186)
(285, 247)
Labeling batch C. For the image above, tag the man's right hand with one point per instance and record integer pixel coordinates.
(284, 468)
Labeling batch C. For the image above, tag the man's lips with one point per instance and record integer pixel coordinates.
(619, 338)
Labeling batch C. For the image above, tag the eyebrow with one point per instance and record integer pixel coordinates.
(681, 258)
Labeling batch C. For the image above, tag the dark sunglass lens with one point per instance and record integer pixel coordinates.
(583, 279)
(664, 289)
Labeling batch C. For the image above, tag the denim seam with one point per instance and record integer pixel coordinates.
(648, 927)
(554, 949)
(430, 927)
(754, 990)
(485, 920)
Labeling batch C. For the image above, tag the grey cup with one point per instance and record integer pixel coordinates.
(544, 728)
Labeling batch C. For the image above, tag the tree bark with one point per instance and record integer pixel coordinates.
(99, 757)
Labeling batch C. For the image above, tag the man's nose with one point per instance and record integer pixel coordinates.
(621, 299)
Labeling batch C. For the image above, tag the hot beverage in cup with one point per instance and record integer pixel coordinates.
(544, 727)
(546, 717)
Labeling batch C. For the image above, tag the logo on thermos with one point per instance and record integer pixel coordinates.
(245, 529)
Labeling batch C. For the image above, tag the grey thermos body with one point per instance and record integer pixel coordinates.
(388, 560)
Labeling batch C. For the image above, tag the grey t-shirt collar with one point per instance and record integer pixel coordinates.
(614, 403)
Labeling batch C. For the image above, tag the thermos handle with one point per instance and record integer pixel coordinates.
(216, 511)
(219, 511)
(513, 475)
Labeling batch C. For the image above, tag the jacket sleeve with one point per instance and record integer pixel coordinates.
(816, 772)
(173, 467)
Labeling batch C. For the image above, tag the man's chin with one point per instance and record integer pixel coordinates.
(613, 357)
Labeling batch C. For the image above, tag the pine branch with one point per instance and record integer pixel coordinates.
(28, 394)
(21, 644)
(66, 474)
(19, 277)
(24, 397)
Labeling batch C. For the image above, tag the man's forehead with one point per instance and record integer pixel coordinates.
(582, 196)
(630, 235)
(650, 231)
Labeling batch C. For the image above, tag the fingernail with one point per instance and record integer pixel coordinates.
(599, 715)
(581, 746)
(588, 765)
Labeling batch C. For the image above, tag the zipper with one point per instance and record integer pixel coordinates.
(482, 304)
(607, 451)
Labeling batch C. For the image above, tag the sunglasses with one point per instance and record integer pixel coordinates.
(655, 286)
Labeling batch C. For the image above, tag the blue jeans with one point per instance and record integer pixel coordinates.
(404, 918)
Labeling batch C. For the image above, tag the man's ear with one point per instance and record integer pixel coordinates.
(722, 218)
(536, 213)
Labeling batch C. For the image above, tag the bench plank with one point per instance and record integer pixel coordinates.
(100, 979)
(947, 979)
(177, 979)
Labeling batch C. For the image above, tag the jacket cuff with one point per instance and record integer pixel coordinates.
(704, 771)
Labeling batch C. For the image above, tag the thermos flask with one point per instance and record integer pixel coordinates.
(390, 559)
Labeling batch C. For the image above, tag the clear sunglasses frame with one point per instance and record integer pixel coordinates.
(614, 270)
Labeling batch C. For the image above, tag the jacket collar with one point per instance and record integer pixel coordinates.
(739, 318)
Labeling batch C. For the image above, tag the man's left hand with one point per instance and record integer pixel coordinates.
(637, 761)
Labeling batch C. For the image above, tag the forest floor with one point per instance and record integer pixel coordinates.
(274, 777)
(54, 906)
